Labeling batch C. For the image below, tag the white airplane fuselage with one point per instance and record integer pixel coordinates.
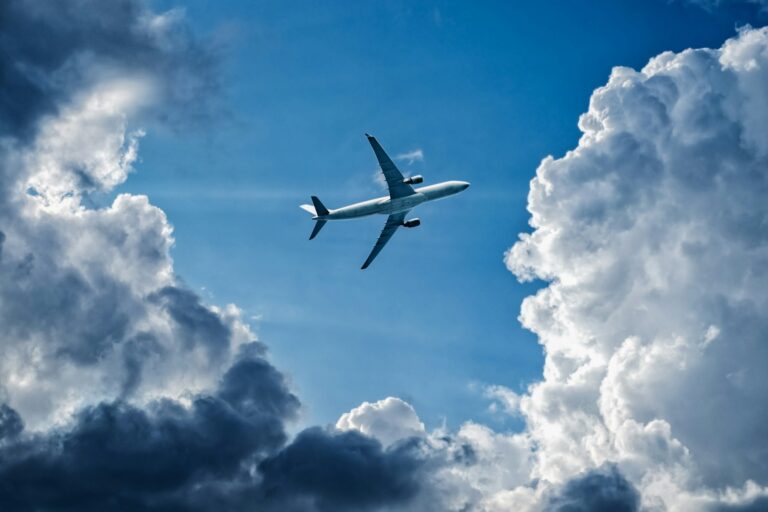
(387, 206)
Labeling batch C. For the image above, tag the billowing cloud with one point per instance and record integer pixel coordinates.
(120, 388)
(388, 420)
(601, 490)
(89, 305)
(88, 42)
(652, 236)
(118, 456)
(323, 471)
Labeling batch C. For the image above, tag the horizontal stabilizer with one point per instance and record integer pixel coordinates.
(308, 208)
(318, 226)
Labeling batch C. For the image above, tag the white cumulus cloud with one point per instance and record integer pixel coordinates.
(653, 236)
(388, 420)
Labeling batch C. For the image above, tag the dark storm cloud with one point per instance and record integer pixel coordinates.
(343, 471)
(601, 490)
(120, 457)
(49, 49)
(11, 424)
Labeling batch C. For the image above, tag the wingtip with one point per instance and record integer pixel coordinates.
(369, 135)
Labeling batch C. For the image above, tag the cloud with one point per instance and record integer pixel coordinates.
(651, 235)
(120, 388)
(339, 471)
(389, 420)
(90, 308)
(409, 157)
(417, 155)
(600, 490)
(755, 505)
(123, 457)
(473, 468)
(87, 42)
(11, 424)
(711, 5)
(503, 397)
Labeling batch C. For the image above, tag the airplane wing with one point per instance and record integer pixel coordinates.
(394, 221)
(393, 176)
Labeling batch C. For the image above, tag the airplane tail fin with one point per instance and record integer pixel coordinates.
(318, 226)
(318, 210)
(319, 207)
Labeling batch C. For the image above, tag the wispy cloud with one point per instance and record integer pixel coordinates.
(503, 398)
(417, 155)
(711, 5)
(409, 157)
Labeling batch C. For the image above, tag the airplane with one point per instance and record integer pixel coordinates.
(402, 198)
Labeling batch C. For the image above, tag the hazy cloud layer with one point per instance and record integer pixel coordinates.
(714, 4)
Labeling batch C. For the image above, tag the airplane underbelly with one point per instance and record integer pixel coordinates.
(351, 212)
(383, 206)
(404, 203)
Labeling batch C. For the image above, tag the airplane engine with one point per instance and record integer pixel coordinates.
(413, 180)
(411, 223)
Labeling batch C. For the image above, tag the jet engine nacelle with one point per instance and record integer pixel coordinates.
(411, 223)
(413, 180)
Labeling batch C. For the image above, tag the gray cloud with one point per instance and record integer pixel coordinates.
(755, 505)
(88, 40)
(87, 297)
(11, 424)
(343, 471)
(601, 490)
(121, 457)
(121, 389)
(196, 324)
(223, 451)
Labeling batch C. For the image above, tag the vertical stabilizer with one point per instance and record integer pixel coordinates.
(319, 207)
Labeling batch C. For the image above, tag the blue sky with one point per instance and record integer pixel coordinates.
(485, 91)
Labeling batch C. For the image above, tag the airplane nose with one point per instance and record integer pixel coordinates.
(464, 185)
